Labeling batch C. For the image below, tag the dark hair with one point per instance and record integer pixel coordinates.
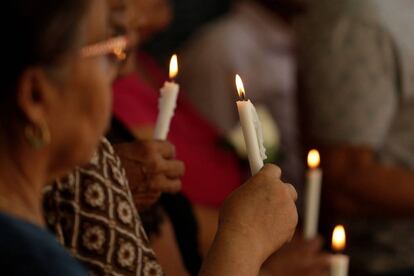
(36, 32)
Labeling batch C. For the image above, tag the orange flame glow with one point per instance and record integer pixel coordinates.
(240, 87)
(173, 67)
(313, 159)
(339, 238)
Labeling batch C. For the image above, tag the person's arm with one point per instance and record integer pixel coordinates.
(255, 221)
(351, 88)
(358, 184)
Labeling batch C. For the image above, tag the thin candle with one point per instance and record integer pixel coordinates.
(251, 127)
(167, 102)
(312, 195)
(339, 262)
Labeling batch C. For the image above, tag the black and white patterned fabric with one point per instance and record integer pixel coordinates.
(92, 213)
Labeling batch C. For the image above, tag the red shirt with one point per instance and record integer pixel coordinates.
(212, 172)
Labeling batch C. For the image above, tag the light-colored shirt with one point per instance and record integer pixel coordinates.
(356, 58)
(259, 46)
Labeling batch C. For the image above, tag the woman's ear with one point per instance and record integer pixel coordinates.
(34, 95)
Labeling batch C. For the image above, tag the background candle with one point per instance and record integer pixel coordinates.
(339, 262)
(251, 127)
(312, 196)
(167, 103)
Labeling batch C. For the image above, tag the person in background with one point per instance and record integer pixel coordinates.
(189, 16)
(256, 41)
(206, 182)
(356, 65)
(135, 104)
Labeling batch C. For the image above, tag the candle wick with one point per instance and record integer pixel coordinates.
(243, 97)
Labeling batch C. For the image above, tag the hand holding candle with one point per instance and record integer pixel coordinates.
(252, 132)
(167, 103)
(339, 262)
(312, 196)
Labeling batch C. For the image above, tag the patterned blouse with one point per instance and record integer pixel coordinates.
(92, 213)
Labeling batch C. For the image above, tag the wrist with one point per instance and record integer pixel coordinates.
(233, 253)
(247, 237)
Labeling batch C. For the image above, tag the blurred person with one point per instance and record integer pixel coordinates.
(188, 17)
(170, 222)
(254, 40)
(196, 141)
(356, 66)
(135, 104)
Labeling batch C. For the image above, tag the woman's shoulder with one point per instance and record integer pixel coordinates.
(27, 249)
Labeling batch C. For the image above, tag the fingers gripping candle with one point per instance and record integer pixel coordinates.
(252, 130)
(167, 103)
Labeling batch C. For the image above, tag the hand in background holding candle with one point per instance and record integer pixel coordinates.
(151, 169)
(255, 221)
(298, 258)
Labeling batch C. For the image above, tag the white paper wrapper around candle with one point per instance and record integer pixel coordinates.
(166, 106)
(339, 265)
(312, 203)
(247, 121)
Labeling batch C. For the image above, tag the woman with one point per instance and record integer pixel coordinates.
(55, 104)
(207, 181)
(91, 210)
(196, 140)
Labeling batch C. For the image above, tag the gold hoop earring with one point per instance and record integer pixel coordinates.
(37, 136)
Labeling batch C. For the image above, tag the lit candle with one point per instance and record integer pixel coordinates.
(339, 262)
(167, 102)
(312, 196)
(252, 130)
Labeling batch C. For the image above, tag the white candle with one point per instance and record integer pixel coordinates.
(252, 132)
(312, 196)
(167, 103)
(339, 262)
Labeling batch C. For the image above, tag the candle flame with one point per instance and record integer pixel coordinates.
(240, 87)
(313, 159)
(339, 238)
(173, 67)
(120, 53)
